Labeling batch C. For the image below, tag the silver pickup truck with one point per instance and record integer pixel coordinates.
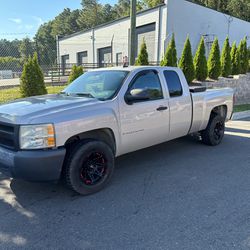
(76, 134)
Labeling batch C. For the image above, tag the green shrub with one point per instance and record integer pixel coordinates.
(170, 57)
(243, 56)
(186, 62)
(32, 79)
(235, 58)
(200, 62)
(10, 63)
(226, 64)
(76, 71)
(214, 66)
(143, 55)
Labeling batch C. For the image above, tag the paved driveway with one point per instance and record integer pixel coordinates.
(178, 195)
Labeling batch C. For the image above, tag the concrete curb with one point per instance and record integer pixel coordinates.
(241, 115)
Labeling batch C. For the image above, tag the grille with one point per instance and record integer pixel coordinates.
(8, 136)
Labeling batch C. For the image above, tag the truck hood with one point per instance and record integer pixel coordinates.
(28, 108)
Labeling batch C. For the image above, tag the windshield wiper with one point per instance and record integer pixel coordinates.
(84, 94)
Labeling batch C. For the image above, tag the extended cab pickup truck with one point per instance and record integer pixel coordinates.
(105, 113)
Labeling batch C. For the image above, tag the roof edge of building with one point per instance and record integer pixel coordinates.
(107, 23)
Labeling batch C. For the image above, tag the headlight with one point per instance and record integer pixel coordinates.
(37, 136)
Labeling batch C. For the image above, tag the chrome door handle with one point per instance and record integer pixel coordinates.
(162, 108)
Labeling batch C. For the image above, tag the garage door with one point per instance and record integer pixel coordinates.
(147, 32)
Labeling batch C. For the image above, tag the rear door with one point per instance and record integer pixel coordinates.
(144, 123)
(180, 104)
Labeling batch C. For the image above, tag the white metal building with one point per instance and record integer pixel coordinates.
(109, 43)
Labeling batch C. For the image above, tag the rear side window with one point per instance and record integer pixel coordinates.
(173, 83)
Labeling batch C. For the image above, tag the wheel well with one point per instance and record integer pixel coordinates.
(105, 134)
(220, 110)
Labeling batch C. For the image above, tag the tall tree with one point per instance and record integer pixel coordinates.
(26, 48)
(243, 56)
(226, 67)
(200, 62)
(186, 62)
(9, 48)
(235, 57)
(66, 22)
(91, 14)
(214, 65)
(153, 3)
(46, 44)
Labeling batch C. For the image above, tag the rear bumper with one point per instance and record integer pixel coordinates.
(40, 165)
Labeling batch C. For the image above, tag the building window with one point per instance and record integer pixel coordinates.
(82, 57)
(173, 83)
(118, 59)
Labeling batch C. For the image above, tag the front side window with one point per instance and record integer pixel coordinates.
(173, 83)
(149, 81)
(102, 85)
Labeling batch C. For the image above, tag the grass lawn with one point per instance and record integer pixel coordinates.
(240, 108)
(14, 93)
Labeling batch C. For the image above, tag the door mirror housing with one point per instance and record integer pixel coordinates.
(137, 95)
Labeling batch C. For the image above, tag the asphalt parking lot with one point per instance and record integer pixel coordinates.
(178, 195)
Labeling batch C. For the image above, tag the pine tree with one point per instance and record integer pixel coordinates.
(235, 59)
(186, 62)
(170, 57)
(242, 50)
(167, 60)
(143, 55)
(214, 66)
(174, 51)
(226, 67)
(76, 71)
(200, 62)
(32, 79)
(245, 55)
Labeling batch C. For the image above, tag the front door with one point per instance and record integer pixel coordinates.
(144, 123)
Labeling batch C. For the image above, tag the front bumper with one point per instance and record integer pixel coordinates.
(37, 165)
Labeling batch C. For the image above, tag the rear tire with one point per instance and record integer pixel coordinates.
(214, 132)
(89, 167)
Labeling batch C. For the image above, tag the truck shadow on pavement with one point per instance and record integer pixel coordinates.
(153, 186)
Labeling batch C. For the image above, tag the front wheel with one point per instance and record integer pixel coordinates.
(214, 132)
(89, 167)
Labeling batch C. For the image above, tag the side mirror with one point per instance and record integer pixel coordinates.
(137, 95)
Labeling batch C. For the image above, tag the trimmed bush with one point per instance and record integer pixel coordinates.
(214, 66)
(243, 54)
(235, 58)
(170, 57)
(226, 67)
(143, 55)
(186, 62)
(32, 79)
(200, 62)
(76, 71)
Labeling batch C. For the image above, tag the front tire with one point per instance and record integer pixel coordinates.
(214, 132)
(89, 167)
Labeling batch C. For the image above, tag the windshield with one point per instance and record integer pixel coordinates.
(102, 85)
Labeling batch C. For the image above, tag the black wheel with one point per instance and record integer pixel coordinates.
(214, 132)
(89, 167)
